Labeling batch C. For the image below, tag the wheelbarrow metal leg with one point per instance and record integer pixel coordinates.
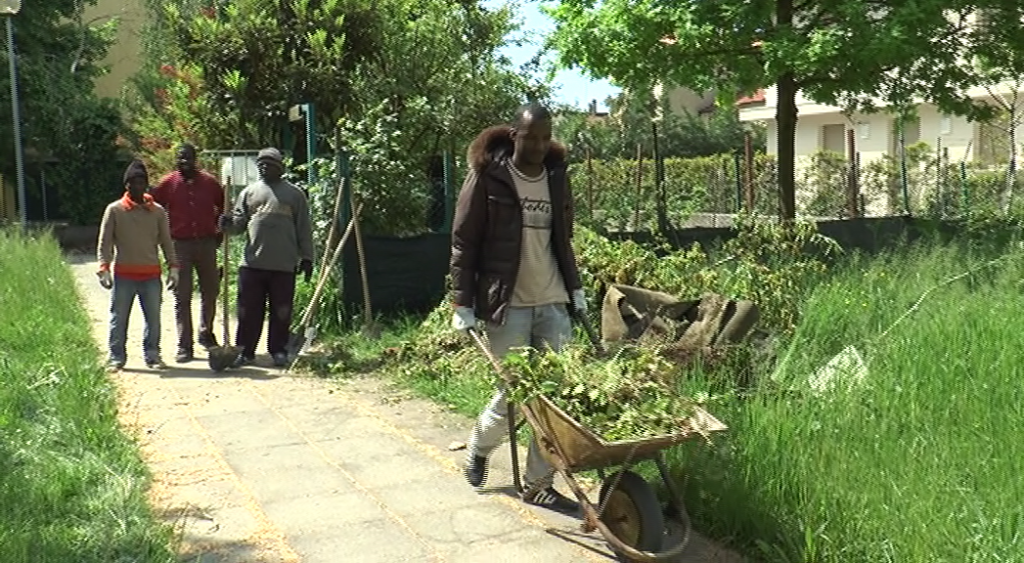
(663, 470)
(514, 447)
(675, 500)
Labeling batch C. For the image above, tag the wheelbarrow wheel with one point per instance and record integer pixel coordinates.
(633, 512)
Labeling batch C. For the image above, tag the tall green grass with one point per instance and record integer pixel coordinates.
(921, 462)
(72, 486)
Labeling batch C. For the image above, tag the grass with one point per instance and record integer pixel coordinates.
(72, 486)
(919, 463)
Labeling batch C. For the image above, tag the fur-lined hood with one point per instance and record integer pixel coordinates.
(494, 144)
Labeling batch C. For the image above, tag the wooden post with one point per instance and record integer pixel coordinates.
(748, 170)
(639, 186)
(851, 174)
(943, 178)
(590, 185)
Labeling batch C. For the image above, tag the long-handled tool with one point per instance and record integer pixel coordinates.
(221, 357)
(510, 414)
(370, 328)
(329, 241)
(300, 340)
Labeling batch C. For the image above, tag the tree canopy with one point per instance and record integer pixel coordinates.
(64, 123)
(858, 54)
(397, 81)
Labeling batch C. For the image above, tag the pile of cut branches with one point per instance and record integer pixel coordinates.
(631, 395)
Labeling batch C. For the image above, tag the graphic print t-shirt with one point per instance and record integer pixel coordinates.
(539, 281)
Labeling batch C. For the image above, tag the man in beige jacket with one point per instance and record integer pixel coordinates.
(132, 229)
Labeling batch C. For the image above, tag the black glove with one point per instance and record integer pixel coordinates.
(306, 267)
(224, 221)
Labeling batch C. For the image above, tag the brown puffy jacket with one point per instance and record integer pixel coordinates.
(488, 223)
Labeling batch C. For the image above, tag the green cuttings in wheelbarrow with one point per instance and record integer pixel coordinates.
(631, 395)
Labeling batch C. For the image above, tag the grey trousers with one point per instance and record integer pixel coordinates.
(545, 326)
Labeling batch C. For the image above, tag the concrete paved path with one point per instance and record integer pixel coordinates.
(258, 466)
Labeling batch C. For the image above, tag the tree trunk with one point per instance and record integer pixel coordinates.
(785, 118)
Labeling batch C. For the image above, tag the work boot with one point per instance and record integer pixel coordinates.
(242, 360)
(184, 355)
(207, 340)
(551, 498)
(280, 359)
(476, 470)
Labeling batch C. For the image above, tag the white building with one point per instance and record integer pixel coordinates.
(821, 127)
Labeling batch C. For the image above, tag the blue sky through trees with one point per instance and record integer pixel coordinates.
(571, 86)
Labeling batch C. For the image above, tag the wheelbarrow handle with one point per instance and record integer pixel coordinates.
(478, 340)
(595, 340)
(510, 413)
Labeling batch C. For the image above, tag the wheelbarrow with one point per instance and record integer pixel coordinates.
(628, 514)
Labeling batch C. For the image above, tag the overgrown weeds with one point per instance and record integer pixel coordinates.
(917, 463)
(72, 486)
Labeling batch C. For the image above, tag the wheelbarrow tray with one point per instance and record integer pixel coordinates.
(582, 449)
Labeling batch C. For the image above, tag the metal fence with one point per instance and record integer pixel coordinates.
(644, 195)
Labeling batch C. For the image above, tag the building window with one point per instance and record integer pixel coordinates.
(911, 134)
(833, 138)
(864, 130)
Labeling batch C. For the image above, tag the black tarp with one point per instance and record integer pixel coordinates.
(404, 274)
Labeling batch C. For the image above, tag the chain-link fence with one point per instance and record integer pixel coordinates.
(634, 195)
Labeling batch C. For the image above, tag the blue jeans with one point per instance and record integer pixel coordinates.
(540, 328)
(122, 298)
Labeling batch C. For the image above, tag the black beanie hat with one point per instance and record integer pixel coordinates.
(136, 170)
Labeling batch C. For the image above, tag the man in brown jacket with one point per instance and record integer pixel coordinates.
(132, 230)
(513, 266)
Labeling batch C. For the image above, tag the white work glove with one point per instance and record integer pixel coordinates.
(579, 301)
(463, 319)
(106, 280)
(172, 279)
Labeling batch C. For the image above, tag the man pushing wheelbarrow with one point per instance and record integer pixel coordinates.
(513, 267)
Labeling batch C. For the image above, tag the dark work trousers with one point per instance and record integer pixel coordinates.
(255, 288)
(198, 255)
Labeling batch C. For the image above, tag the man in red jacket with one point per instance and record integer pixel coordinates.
(194, 200)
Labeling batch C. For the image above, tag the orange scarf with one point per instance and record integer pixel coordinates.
(129, 203)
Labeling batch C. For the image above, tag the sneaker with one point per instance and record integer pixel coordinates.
(242, 360)
(476, 470)
(155, 363)
(550, 498)
(184, 355)
(280, 359)
(207, 340)
(114, 366)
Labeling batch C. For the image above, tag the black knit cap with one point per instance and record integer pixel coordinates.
(137, 169)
